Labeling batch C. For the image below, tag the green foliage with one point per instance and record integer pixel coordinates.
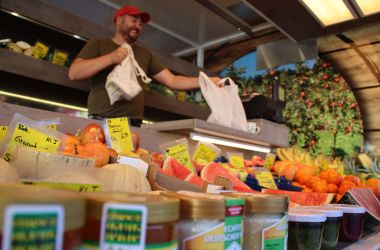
(321, 110)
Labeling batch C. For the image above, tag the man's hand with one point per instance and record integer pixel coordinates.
(118, 55)
(216, 81)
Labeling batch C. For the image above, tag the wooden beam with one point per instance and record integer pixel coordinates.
(226, 16)
(219, 58)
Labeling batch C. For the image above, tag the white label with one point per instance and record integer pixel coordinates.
(123, 227)
(29, 226)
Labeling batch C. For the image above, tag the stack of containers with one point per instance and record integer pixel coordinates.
(332, 225)
(266, 221)
(40, 218)
(305, 229)
(110, 215)
(351, 228)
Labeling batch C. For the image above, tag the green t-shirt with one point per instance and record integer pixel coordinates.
(98, 101)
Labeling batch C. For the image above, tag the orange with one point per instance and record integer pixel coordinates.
(72, 145)
(304, 178)
(332, 188)
(320, 186)
(97, 151)
(373, 183)
(307, 190)
(352, 178)
(294, 183)
(288, 171)
(303, 171)
(91, 133)
(346, 185)
(314, 179)
(331, 176)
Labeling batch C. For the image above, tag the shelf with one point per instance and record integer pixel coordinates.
(170, 104)
(184, 127)
(30, 67)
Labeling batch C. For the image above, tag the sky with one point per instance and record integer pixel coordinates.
(249, 63)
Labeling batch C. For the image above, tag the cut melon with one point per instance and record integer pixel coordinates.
(214, 169)
(195, 180)
(303, 199)
(174, 168)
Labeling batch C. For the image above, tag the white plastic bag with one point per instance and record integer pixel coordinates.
(225, 103)
(122, 82)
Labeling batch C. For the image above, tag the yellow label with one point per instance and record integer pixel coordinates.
(237, 161)
(265, 179)
(29, 137)
(181, 95)
(79, 187)
(212, 239)
(204, 154)
(269, 160)
(3, 131)
(40, 50)
(275, 236)
(181, 153)
(119, 134)
(52, 126)
(59, 57)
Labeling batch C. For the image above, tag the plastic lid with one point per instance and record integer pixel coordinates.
(262, 203)
(346, 208)
(161, 209)
(298, 215)
(73, 203)
(328, 211)
(201, 205)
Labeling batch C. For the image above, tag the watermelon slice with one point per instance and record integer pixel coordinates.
(365, 198)
(303, 199)
(174, 168)
(214, 169)
(195, 180)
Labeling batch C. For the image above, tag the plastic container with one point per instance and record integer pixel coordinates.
(305, 229)
(266, 221)
(351, 228)
(332, 225)
(163, 214)
(25, 195)
(202, 221)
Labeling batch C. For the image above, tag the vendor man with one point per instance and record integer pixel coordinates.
(99, 56)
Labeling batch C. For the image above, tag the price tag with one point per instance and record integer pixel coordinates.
(123, 226)
(78, 187)
(40, 50)
(3, 131)
(181, 95)
(59, 57)
(181, 153)
(33, 227)
(269, 161)
(27, 136)
(203, 153)
(119, 134)
(265, 179)
(237, 161)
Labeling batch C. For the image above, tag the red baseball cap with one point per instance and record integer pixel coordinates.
(132, 11)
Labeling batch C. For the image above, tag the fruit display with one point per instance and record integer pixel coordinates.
(322, 174)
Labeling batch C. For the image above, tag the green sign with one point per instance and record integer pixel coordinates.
(123, 226)
(33, 227)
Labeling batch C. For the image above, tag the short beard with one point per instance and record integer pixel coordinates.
(125, 34)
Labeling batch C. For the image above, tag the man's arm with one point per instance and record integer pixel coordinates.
(178, 82)
(85, 68)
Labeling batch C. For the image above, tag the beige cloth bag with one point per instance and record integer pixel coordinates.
(122, 82)
(225, 103)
